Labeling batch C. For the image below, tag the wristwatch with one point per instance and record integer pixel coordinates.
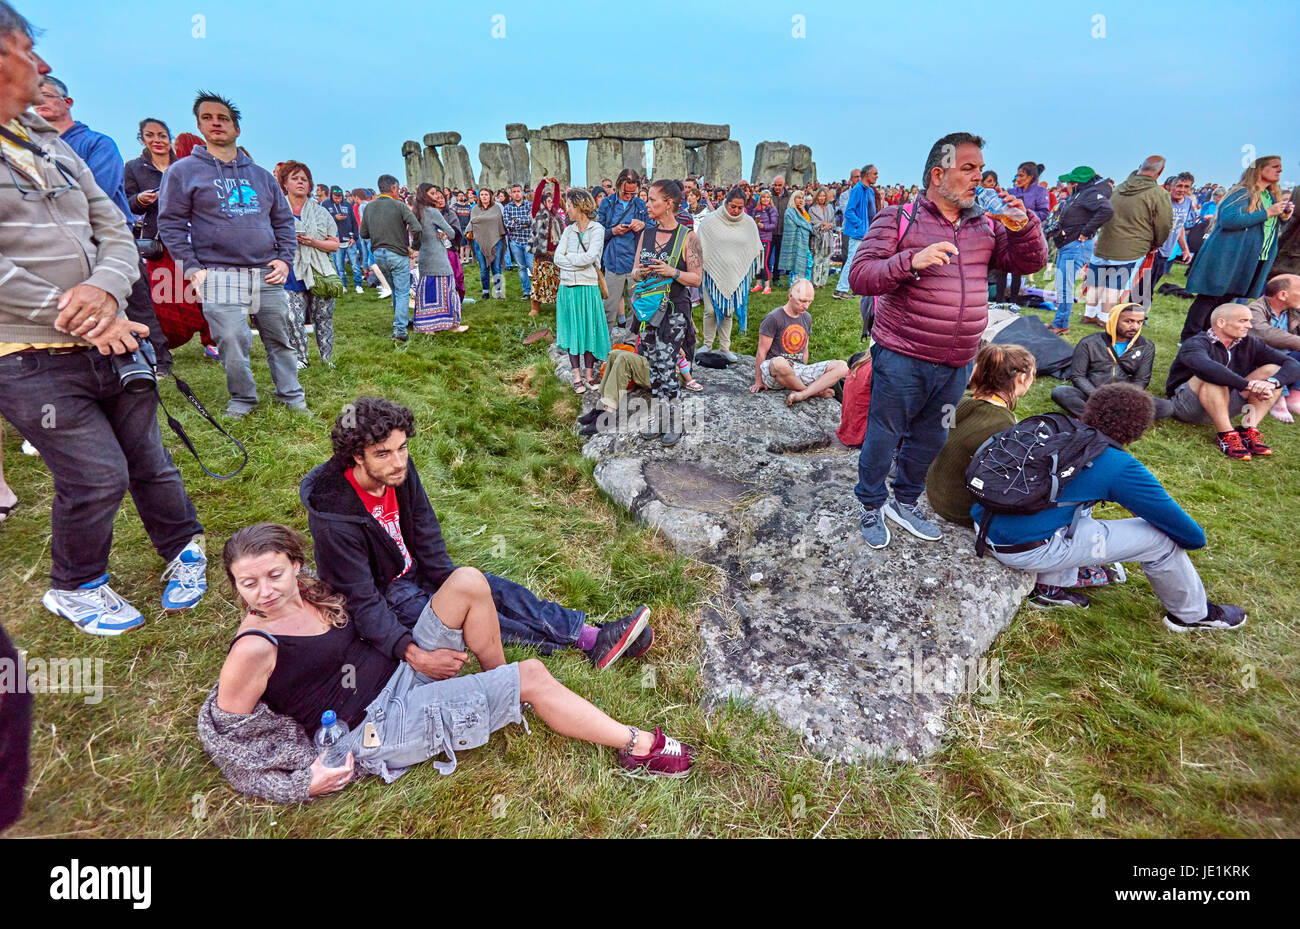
(1274, 381)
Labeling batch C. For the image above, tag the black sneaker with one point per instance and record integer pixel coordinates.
(615, 638)
(641, 644)
(590, 416)
(669, 439)
(1045, 595)
(1216, 617)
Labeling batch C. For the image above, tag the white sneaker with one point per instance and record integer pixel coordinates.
(94, 607)
(359, 290)
(385, 293)
(30, 449)
(310, 328)
(186, 577)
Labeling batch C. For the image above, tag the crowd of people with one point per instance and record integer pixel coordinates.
(105, 262)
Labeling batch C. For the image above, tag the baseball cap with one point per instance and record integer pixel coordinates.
(1080, 175)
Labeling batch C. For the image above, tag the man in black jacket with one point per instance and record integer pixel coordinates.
(1225, 371)
(378, 542)
(1084, 212)
(1121, 354)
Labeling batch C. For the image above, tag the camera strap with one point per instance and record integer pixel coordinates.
(177, 428)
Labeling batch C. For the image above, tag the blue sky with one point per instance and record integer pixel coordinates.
(1194, 81)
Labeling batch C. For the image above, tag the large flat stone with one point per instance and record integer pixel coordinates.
(494, 165)
(604, 160)
(669, 159)
(635, 131)
(568, 132)
(519, 161)
(516, 131)
(550, 159)
(431, 167)
(712, 132)
(722, 163)
(770, 159)
(458, 173)
(442, 138)
(860, 651)
(634, 157)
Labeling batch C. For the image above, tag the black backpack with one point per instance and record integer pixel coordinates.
(1022, 470)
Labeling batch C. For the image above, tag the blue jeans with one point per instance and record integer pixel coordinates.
(1069, 260)
(367, 254)
(523, 260)
(349, 253)
(914, 401)
(486, 270)
(842, 287)
(397, 268)
(1296, 385)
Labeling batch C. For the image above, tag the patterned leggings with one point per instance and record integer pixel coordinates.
(660, 347)
(321, 310)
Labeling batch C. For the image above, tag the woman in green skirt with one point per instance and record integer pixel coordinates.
(581, 329)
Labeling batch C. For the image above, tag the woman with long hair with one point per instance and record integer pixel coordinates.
(765, 218)
(297, 655)
(580, 326)
(437, 301)
(545, 236)
(1234, 260)
(795, 239)
(732, 251)
(313, 283)
(487, 231)
(822, 214)
(697, 204)
(1027, 189)
(1001, 376)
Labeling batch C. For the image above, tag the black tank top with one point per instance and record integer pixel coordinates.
(677, 293)
(334, 671)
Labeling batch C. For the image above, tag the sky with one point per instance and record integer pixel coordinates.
(340, 84)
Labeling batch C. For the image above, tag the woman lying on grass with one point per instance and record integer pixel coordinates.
(297, 655)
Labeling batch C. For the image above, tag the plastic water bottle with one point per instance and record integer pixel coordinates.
(331, 739)
(1012, 217)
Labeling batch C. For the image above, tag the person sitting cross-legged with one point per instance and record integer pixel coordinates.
(1229, 371)
(1121, 354)
(624, 368)
(379, 544)
(789, 327)
(1060, 540)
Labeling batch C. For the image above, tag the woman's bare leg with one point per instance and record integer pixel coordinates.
(571, 715)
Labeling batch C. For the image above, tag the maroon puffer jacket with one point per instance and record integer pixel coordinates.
(940, 313)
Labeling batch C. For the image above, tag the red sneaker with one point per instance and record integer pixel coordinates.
(1253, 439)
(667, 758)
(1231, 444)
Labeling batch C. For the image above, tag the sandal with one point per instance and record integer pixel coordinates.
(579, 386)
(693, 384)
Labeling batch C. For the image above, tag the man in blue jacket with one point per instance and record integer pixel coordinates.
(229, 227)
(623, 216)
(859, 213)
(1058, 541)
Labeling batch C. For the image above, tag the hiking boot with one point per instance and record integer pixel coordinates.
(187, 577)
(614, 638)
(1216, 617)
(908, 515)
(667, 758)
(872, 523)
(1231, 444)
(590, 416)
(1045, 595)
(94, 607)
(1253, 439)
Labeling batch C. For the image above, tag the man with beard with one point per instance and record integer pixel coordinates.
(378, 542)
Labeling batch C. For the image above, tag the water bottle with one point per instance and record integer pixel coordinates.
(331, 740)
(1012, 217)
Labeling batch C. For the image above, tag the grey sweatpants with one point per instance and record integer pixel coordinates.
(1101, 541)
(618, 284)
(229, 298)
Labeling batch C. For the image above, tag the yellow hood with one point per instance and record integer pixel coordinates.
(1112, 322)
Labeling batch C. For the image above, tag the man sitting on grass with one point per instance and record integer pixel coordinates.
(1058, 541)
(1120, 355)
(378, 543)
(789, 327)
(1227, 371)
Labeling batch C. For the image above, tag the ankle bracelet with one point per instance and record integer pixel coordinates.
(632, 732)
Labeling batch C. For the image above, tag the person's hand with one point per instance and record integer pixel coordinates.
(637, 225)
(439, 664)
(940, 253)
(86, 311)
(1275, 210)
(1185, 258)
(119, 337)
(279, 272)
(412, 253)
(1261, 389)
(1011, 201)
(147, 197)
(757, 386)
(327, 780)
(659, 268)
(306, 240)
(620, 229)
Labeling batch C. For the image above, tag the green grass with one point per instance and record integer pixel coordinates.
(1096, 707)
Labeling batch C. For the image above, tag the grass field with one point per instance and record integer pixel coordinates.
(1106, 724)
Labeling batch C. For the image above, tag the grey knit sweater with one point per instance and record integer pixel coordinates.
(49, 244)
(262, 754)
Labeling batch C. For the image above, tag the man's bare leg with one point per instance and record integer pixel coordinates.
(1214, 400)
(784, 375)
(464, 602)
(823, 386)
(1255, 409)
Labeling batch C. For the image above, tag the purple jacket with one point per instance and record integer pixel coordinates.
(939, 314)
(1035, 200)
(766, 220)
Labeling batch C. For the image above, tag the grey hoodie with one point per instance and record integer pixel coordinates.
(214, 214)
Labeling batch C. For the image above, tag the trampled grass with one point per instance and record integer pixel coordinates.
(1105, 724)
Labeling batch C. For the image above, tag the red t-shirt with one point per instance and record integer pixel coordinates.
(856, 406)
(384, 510)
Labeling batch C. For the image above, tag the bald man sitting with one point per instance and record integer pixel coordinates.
(1275, 318)
(782, 359)
(1225, 372)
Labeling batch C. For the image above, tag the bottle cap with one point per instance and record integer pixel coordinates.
(328, 718)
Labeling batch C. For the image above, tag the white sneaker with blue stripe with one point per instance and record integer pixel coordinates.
(94, 607)
(186, 577)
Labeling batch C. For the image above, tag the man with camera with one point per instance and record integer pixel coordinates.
(67, 264)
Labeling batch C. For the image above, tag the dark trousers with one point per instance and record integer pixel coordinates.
(139, 309)
(773, 256)
(1072, 400)
(912, 401)
(15, 739)
(1198, 314)
(1004, 294)
(98, 442)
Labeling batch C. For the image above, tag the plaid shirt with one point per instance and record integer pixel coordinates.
(519, 221)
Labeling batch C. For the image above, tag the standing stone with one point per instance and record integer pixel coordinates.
(495, 163)
(710, 131)
(722, 165)
(670, 159)
(694, 162)
(414, 164)
(433, 173)
(516, 131)
(634, 157)
(604, 160)
(459, 174)
(519, 160)
(800, 166)
(635, 131)
(770, 159)
(550, 158)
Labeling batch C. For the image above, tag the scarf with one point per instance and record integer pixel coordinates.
(488, 227)
(308, 262)
(732, 251)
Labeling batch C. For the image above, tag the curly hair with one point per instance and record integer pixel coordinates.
(272, 538)
(285, 169)
(1122, 411)
(367, 421)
